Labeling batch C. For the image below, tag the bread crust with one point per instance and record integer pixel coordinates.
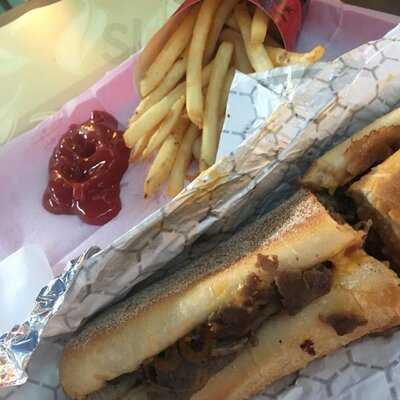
(301, 233)
(356, 155)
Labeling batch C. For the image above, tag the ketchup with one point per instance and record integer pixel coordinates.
(86, 169)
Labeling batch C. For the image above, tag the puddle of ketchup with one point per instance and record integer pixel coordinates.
(86, 169)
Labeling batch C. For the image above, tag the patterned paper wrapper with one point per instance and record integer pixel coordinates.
(289, 116)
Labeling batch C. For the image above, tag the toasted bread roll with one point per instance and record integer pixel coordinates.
(377, 196)
(356, 155)
(365, 298)
(300, 234)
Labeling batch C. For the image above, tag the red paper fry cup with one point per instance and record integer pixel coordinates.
(288, 17)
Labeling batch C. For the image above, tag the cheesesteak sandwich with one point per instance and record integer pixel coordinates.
(286, 289)
(356, 155)
(373, 195)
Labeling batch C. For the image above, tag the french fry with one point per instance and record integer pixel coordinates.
(152, 117)
(225, 92)
(223, 12)
(242, 62)
(259, 27)
(194, 94)
(163, 163)
(231, 23)
(156, 114)
(196, 149)
(182, 126)
(165, 128)
(220, 68)
(177, 178)
(133, 118)
(174, 75)
(169, 54)
(281, 57)
(140, 146)
(257, 54)
(137, 151)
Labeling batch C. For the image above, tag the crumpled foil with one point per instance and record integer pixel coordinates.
(17, 346)
(330, 102)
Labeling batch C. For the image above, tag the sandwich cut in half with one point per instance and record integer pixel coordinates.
(356, 155)
(363, 174)
(286, 289)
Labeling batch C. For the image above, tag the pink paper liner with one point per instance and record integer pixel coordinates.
(24, 161)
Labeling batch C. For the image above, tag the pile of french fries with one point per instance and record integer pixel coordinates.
(185, 90)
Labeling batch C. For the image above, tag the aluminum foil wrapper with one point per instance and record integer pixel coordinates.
(312, 109)
(17, 346)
